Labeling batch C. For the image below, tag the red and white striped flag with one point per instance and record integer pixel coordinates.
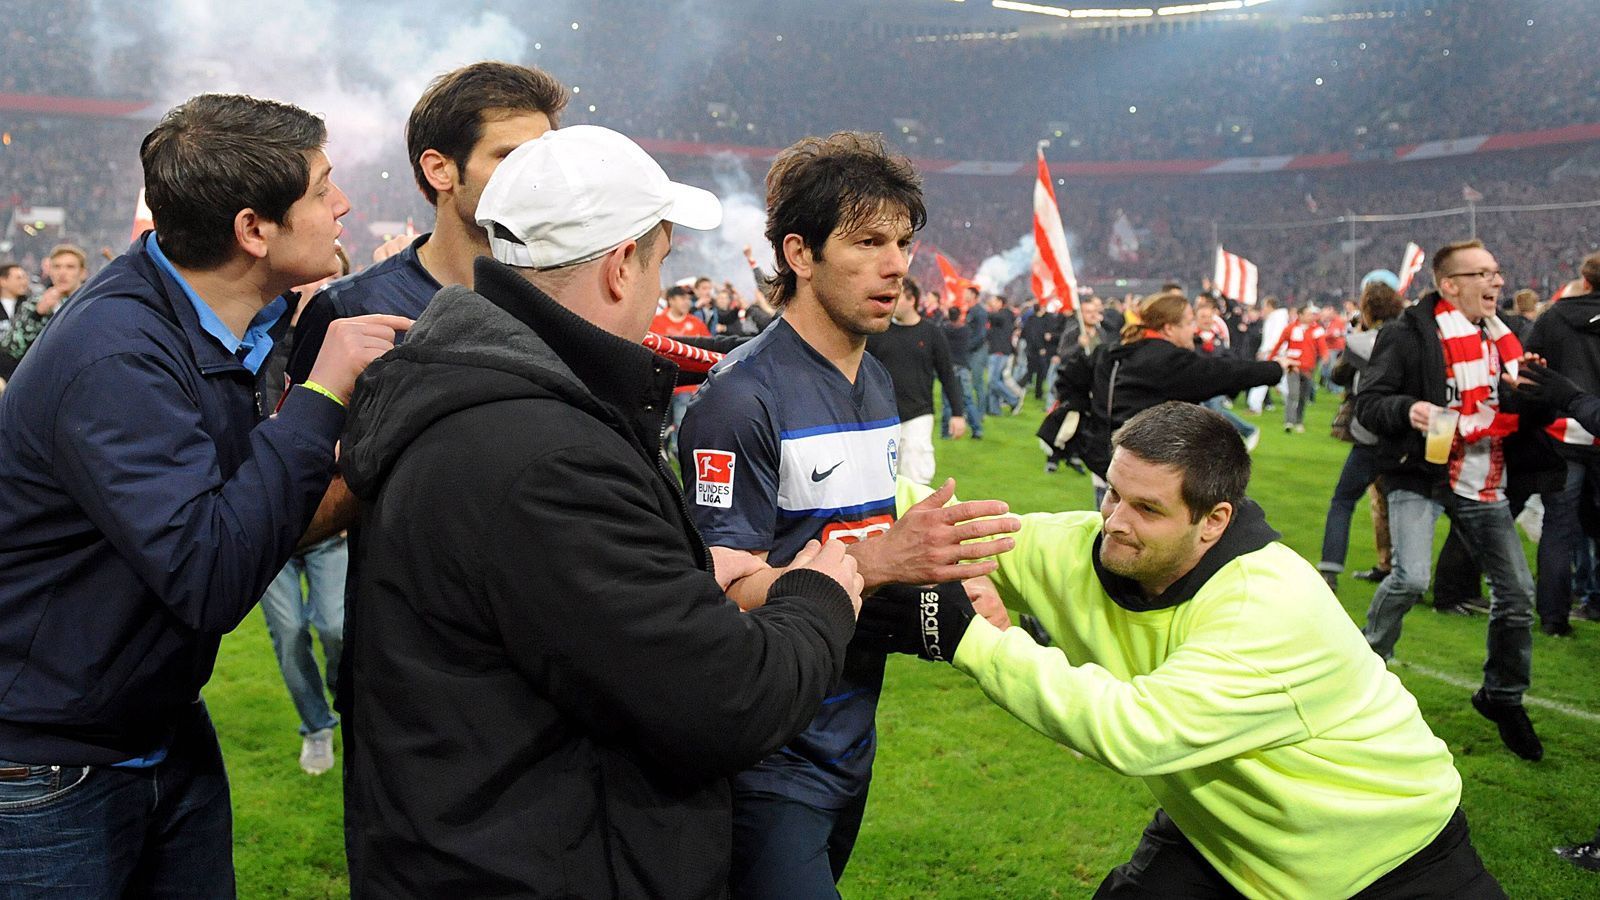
(1053, 280)
(1410, 265)
(143, 219)
(1236, 277)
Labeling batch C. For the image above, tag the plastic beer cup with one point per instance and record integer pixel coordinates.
(1442, 423)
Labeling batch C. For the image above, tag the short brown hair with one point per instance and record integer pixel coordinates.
(1156, 312)
(1379, 304)
(822, 185)
(216, 154)
(70, 250)
(451, 113)
(1590, 270)
(1526, 300)
(1205, 449)
(1443, 254)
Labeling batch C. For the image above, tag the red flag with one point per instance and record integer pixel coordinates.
(1470, 195)
(1235, 277)
(1053, 280)
(955, 287)
(1410, 265)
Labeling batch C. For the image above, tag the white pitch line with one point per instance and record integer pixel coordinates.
(1527, 700)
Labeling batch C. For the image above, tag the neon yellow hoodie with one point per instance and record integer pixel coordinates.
(1251, 707)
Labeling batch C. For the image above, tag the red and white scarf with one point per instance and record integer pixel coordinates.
(1568, 431)
(1468, 368)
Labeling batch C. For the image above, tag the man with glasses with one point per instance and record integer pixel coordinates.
(1447, 353)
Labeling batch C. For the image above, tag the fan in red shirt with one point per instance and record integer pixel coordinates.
(676, 321)
(1301, 347)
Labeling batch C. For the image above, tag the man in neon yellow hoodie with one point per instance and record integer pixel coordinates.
(1197, 653)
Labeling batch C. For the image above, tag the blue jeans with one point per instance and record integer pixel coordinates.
(783, 848)
(1360, 468)
(1218, 405)
(288, 615)
(974, 411)
(1458, 572)
(1559, 544)
(1585, 585)
(1000, 394)
(105, 832)
(1490, 534)
(977, 391)
(680, 405)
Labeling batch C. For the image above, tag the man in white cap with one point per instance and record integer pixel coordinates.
(555, 688)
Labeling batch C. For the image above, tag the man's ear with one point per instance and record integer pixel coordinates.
(251, 232)
(1216, 522)
(619, 269)
(439, 170)
(798, 255)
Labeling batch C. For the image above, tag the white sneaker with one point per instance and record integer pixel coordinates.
(316, 752)
(1251, 441)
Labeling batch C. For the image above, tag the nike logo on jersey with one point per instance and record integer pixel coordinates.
(818, 476)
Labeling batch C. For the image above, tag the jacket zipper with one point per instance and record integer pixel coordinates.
(665, 471)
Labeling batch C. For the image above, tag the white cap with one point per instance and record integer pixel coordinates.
(572, 194)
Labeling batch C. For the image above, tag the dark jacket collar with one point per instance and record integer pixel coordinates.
(1247, 533)
(622, 375)
(506, 340)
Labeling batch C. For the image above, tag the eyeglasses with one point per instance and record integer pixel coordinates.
(1485, 274)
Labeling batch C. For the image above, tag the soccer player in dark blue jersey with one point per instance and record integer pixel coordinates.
(794, 437)
(465, 123)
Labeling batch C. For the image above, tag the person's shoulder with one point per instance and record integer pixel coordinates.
(121, 316)
(398, 284)
(873, 369)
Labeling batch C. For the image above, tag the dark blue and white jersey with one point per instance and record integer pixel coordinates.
(777, 448)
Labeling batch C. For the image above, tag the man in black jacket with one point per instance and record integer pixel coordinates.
(1040, 334)
(1568, 337)
(1408, 383)
(554, 686)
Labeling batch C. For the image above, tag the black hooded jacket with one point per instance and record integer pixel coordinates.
(1131, 378)
(551, 688)
(1567, 335)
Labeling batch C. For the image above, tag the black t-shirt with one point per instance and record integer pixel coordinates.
(913, 354)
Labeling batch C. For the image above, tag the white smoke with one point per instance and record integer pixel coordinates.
(719, 254)
(996, 273)
(999, 270)
(361, 67)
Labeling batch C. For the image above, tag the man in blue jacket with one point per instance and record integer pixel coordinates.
(148, 494)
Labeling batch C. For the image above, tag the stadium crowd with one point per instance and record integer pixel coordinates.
(1359, 84)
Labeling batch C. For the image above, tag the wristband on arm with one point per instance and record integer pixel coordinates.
(926, 621)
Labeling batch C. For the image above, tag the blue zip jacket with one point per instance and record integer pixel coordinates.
(145, 503)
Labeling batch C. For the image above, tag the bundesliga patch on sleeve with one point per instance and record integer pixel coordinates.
(713, 477)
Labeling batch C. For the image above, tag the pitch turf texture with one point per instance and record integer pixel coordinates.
(966, 801)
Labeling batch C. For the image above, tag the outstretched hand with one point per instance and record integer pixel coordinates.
(1542, 384)
(929, 544)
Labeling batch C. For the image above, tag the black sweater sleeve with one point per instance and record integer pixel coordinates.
(946, 370)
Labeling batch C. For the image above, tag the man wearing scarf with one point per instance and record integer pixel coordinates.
(1449, 350)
